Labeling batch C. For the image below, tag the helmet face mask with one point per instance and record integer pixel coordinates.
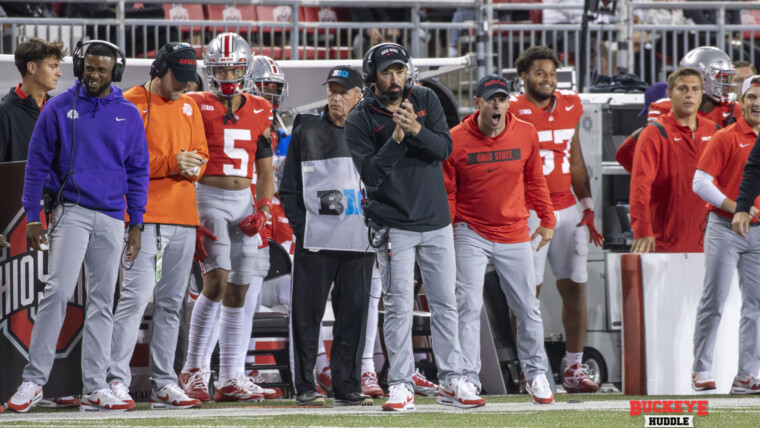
(227, 65)
(716, 69)
(268, 80)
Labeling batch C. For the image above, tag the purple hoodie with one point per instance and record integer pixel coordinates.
(110, 155)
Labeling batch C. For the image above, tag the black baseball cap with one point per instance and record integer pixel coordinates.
(385, 56)
(490, 85)
(344, 76)
(182, 61)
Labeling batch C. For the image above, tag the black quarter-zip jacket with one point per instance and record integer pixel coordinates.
(404, 181)
(17, 119)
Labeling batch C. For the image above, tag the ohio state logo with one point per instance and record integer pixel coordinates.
(22, 272)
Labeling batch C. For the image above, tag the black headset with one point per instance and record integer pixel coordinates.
(79, 52)
(160, 64)
(370, 69)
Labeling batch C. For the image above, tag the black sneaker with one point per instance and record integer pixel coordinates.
(311, 398)
(353, 399)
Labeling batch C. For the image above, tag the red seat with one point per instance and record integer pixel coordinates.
(184, 12)
(317, 14)
(233, 14)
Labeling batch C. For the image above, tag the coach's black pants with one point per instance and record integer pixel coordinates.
(313, 274)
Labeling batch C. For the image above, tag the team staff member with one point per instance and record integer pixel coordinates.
(331, 244)
(177, 147)
(237, 128)
(624, 153)
(665, 213)
(39, 63)
(556, 115)
(717, 182)
(495, 150)
(398, 139)
(110, 161)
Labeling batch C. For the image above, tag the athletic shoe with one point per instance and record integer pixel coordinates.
(540, 391)
(370, 385)
(311, 398)
(324, 379)
(321, 391)
(121, 392)
(422, 386)
(172, 396)
(353, 399)
(195, 384)
(746, 384)
(60, 402)
(401, 399)
(103, 400)
(26, 397)
(231, 389)
(269, 393)
(703, 381)
(577, 380)
(459, 393)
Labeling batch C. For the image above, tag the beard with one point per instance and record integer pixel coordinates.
(532, 89)
(387, 96)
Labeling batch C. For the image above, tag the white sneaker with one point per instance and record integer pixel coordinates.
(172, 396)
(540, 390)
(26, 397)
(401, 399)
(231, 389)
(121, 392)
(746, 384)
(459, 393)
(702, 381)
(102, 400)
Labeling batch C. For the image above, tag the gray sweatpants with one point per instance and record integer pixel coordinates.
(139, 284)
(80, 234)
(434, 252)
(724, 252)
(514, 265)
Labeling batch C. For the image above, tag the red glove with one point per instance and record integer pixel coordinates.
(252, 224)
(593, 234)
(200, 251)
(265, 233)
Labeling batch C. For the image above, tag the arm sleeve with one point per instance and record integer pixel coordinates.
(38, 164)
(264, 148)
(535, 185)
(646, 163)
(433, 140)
(624, 154)
(291, 184)
(450, 181)
(704, 187)
(137, 166)
(750, 186)
(373, 165)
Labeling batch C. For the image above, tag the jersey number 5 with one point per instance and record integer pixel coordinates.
(236, 153)
(557, 136)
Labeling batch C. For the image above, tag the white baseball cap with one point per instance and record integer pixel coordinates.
(748, 83)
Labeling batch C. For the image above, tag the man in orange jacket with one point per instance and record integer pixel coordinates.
(178, 151)
(666, 216)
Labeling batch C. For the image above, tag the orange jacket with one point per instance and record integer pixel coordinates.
(171, 127)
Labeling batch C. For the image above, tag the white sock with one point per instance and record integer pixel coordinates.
(249, 309)
(368, 364)
(205, 314)
(213, 338)
(573, 358)
(231, 329)
(371, 331)
(420, 356)
(322, 362)
(377, 356)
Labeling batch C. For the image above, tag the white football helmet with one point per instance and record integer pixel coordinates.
(228, 50)
(268, 80)
(716, 69)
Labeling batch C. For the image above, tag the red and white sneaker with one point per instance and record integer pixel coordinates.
(103, 400)
(26, 397)
(459, 393)
(540, 391)
(121, 392)
(324, 379)
(60, 402)
(370, 386)
(577, 380)
(231, 389)
(422, 386)
(195, 384)
(746, 384)
(172, 397)
(401, 399)
(269, 393)
(703, 381)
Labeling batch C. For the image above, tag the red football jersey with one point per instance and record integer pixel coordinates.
(232, 146)
(556, 128)
(719, 114)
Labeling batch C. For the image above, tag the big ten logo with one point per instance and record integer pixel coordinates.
(340, 73)
(560, 154)
(336, 202)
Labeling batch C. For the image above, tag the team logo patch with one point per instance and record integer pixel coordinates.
(72, 114)
(494, 156)
(187, 109)
(524, 111)
(206, 107)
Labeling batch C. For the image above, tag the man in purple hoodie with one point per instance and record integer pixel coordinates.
(87, 152)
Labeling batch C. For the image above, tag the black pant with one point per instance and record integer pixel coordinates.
(313, 274)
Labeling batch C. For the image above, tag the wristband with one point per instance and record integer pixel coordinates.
(587, 204)
(32, 223)
(264, 202)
